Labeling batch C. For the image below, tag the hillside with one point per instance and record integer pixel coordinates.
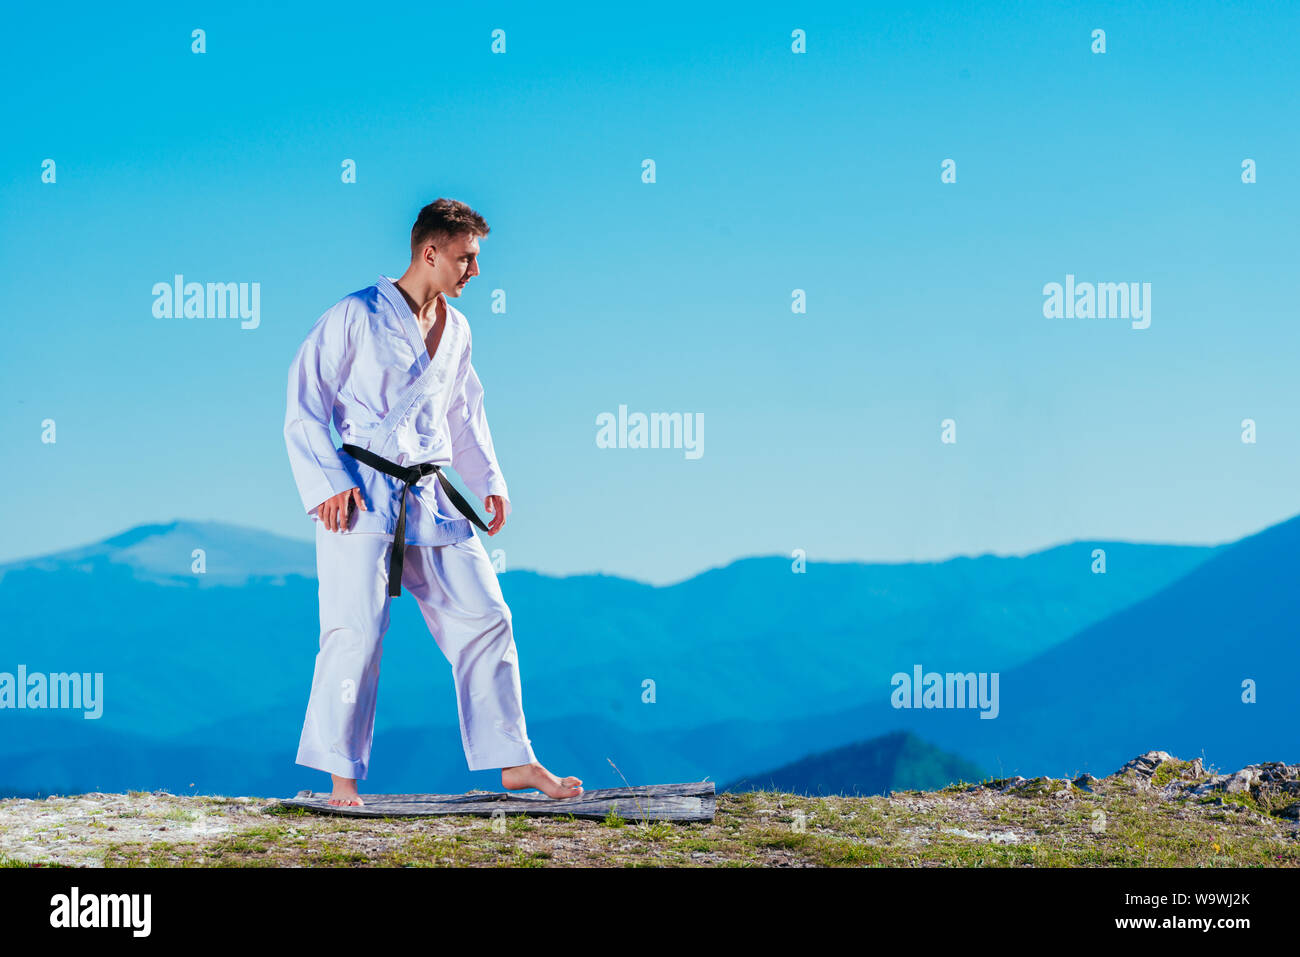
(1155, 811)
(1205, 664)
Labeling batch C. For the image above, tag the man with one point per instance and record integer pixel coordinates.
(389, 365)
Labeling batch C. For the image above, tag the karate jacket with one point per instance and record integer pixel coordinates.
(364, 366)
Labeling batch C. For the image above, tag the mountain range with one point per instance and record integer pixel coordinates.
(748, 667)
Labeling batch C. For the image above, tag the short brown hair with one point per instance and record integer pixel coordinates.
(441, 220)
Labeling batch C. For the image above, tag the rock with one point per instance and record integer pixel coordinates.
(1243, 780)
(1144, 765)
(1270, 778)
(1287, 777)
(1213, 783)
(1269, 783)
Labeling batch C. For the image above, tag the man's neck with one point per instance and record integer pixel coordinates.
(425, 301)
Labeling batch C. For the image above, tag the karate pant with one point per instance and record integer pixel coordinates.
(460, 598)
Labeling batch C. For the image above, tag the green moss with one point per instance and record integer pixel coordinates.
(1169, 771)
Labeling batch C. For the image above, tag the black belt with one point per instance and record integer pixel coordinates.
(409, 475)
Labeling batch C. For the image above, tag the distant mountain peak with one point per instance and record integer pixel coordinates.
(897, 761)
(172, 552)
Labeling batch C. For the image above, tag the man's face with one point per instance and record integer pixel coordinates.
(457, 263)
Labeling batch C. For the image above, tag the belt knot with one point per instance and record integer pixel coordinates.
(416, 472)
(408, 475)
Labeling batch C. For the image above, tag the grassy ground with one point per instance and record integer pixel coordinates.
(1122, 821)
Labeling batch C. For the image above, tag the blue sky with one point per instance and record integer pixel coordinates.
(775, 171)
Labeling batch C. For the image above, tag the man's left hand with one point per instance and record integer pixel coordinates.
(496, 505)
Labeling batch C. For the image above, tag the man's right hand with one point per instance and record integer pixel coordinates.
(334, 510)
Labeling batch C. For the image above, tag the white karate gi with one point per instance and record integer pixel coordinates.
(365, 366)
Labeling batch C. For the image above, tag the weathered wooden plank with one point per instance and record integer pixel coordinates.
(693, 801)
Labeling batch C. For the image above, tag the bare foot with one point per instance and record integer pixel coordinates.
(345, 792)
(535, 776)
